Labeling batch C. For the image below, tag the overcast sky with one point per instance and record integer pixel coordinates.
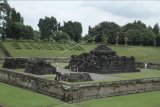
(89, 12)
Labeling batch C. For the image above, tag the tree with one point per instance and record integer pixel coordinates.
(121, 38)
(11, 17)
(17, 30)
(136, 25)
(158, 40)
(138, 34)
(60, 36)
(15, 16)
(20, 31)
(149, 38)
(28, 32)
(47, 27)
(156, 29)
(73, 29)
(106, 30)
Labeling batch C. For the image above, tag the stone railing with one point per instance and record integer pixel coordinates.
(69, 92)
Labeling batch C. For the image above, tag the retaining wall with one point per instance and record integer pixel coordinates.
(76, 92)
(35, 83)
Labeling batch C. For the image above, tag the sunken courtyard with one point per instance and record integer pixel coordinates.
(77, 81)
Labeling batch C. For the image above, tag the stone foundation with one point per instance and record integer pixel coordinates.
(13, 63)
(39, 67)
(20, 62)
(76, 92)
(76, 77)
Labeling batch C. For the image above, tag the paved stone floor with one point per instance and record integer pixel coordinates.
(93, 75)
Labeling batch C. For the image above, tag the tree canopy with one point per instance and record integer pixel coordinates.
(73, 29)
(47, 27)
(15, 28)
(136, 33)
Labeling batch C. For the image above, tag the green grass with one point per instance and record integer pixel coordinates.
(145, 73)
(17, 97)
(150, 99)
(141, 53)
(44, 52)
(11, 96)
(61, 65)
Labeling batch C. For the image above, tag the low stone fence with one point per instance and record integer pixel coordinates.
(35, 83)
(148, 65)
(76, 92)
(20, 62)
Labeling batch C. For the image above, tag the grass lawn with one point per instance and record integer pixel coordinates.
(141, 53)
(145, 73)
(11, 96)
(150, 99)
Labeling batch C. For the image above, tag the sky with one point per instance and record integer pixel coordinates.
(88, 12)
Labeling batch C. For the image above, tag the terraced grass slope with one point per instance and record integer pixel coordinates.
(31, 49)
(11, 96)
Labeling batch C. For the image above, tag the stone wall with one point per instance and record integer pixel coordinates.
(20, 62)
(148, 65)
(107, 89)
(35, 83)
(76, 92)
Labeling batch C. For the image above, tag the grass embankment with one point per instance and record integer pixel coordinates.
(11, 96)
(31, 49)
(19, 49)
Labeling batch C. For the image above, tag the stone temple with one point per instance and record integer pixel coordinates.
(39, 67)
(102, 60)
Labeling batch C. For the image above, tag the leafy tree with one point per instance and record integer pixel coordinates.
(60, 36)
(158, 40)
(149, 38)
(28, 32)
(47, 27)
(108, 30)
(135, 37)
(136, 25)
(138, 34)
(156, 29)
(15, 16)
(17, 29)
(73, 29)
(37, 35)
(20, 31)
(121, 38)
(11, 17)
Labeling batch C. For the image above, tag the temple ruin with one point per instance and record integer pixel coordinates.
(102, 60)
(39, 67)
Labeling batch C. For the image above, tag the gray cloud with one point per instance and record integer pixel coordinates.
(89, 12)
(129, 9)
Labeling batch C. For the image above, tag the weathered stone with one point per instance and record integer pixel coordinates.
(39, 67)
(102, 60)
(77, 92)
(13, 63)
(76, 77)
